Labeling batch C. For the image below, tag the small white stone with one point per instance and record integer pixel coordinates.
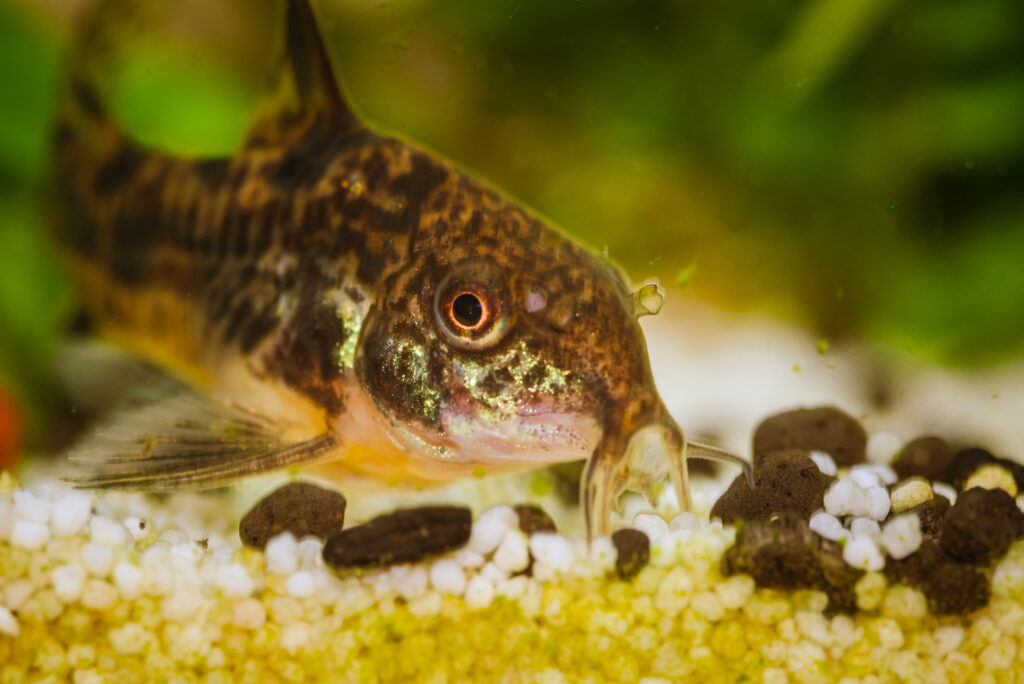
(29, 535)
(6, 517)
(513, 588)
(300, 584)
(901, 535)
(448, 577)
(249, 614)
(865, 527)
(828, 526)
(882, 447)
(863, 553)
(468, 558)
(847, 497)
(430, 603)
(97, 558)
(552, 553)
(106, 531)
(130, 638)
(492, 573)
(652, 525)
(234, 581)
(17, 591)
(910, 493)
(282, 554)
(128, 580)
(68, 582)
(885, 473)
(294, 636)
(137, 527)
(479, 592)
(490, 528)
(864, 476)
(98, 595)
(410, 581)
(943, 489)
(685, 521)
(826, 464)
(878, 503)
(8, 623)
(311, 552)
(70, 513)
(948, 638)
(513, 554)
(602, 553)
(30, 507)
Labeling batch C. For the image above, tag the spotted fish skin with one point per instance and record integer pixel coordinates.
(320, 259)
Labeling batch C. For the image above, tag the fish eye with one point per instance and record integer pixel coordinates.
(470, 311)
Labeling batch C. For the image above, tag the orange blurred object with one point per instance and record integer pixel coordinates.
(12, 430)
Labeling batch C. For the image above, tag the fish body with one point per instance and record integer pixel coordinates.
(339, 299)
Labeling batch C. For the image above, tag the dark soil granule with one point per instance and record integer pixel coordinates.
(951, 588)
(967, 461)
(784, 553)
(784, 481)
(298, 507)
(981, 524)
(405, 536)
(817, 429)
(634, 551)
(929, 457)
(533, 519)
(931, 513)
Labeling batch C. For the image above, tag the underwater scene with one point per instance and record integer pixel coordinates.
(450, 341)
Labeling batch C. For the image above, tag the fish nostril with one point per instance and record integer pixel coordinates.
(536, 299)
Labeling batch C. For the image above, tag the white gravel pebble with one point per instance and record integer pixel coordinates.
(128, 580)
(97, 559)
(8, 623)
(943, 489)
(137, 527)
(825, 462)
(410, 581)
(552, 553)
(29, 535)
(910, 493)
(863, 553)
(513, 554)
(17, 591)
(492, 573)
(882, 447)
(107, 531)
(479, 592)
(294, 636)
(847, 497)
(282, 554)
(602, 553)
(992, 476)
(70, 513)
(6, 517)
(828, 526)
(865, 527)
(878, 502)
(685, 521)
(901, 535)
(249, 614)
(468, 558)
(68, 582)
(300, 584)
(448, 577)
(512, 588)
(864, 476)
(234, 581)
(490, 529)
(98, 594)
(29, 507)
(652, 525)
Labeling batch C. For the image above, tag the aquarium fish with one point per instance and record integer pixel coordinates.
(340, 300)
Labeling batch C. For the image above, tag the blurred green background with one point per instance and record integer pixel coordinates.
(856, 166)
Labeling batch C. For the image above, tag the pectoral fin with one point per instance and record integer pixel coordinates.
(186, 439)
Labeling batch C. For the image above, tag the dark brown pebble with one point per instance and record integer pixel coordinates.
(634, 551)
(298, 507)
(405, 536)
(967, 461)
(951, 588)
(783, 553)
(980, 525)
(824, 428)
(784, 481)
(931, 513)
(534, 519)
(928, 457)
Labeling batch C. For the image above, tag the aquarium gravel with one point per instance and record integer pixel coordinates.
(104, 587)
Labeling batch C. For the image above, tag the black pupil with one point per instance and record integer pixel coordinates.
(467, 309)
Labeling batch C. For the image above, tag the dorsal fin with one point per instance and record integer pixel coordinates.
(310, 92)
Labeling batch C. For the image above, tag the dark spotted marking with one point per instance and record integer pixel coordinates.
(119, 169)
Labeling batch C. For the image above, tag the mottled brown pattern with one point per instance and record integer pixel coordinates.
(314, 204)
